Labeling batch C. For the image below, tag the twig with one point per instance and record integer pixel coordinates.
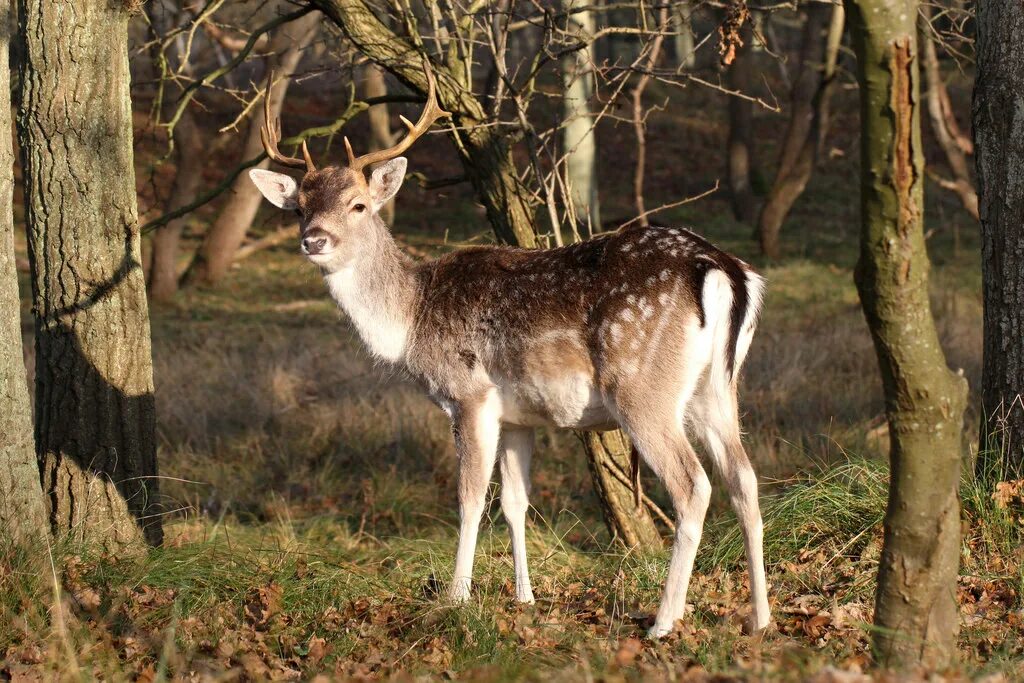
(190, 92)
(318, 132)
(671, 205)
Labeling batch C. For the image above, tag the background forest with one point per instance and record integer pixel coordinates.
(305, 495)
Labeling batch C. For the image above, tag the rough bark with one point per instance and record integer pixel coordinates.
(22, 517)
(608, 457)
(217, 251)
(95, 418)
(809, 113)
(381, 136)
(940, 116)
(579, 143)
(999, 148)
(483, 150)
(915, 609)
(741, 120)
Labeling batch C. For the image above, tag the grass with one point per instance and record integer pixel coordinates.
(314, 493)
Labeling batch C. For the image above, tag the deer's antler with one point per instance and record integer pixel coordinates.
(270, 134)
(431, 113)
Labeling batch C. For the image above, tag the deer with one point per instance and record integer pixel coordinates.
(643, 329)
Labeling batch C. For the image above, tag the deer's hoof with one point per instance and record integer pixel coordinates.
(659, 631)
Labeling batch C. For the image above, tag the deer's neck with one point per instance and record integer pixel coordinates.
(378, 292)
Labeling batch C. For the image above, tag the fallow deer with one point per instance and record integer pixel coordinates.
(643, 329)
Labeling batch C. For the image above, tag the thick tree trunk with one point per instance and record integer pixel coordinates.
(482, 149)
(217, 252)
(579, 143)
(999, 147)
(381, 136)
(915, 610)
(940, 115)
(95, 418)
(741, 122)
(22, 517)
(808, 121)
(188, 176)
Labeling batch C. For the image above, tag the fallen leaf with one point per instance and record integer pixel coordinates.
(628, 651)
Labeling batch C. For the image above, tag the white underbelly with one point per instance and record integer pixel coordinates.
(570, 402)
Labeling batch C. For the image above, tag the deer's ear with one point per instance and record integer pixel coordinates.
(280, 190)
(385, 181)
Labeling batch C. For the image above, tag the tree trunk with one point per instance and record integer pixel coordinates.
(608, 457)
(579, 144)
(741, 121)
(95, 418)
(380, 124)
(188, 176)
(217, 252)
(161, 264)
(686, 50)
(915, 609)
(999, 148)
(483, 149)
(940, 114)
(22, 517)
(808, 121)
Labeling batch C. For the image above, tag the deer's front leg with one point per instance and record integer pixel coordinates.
(477, 428)
(517, 449)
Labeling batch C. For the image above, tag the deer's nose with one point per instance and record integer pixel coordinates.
(314, 242)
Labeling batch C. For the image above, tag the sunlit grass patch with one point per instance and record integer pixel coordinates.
(836, 510)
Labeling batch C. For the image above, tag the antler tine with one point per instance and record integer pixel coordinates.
(431, 113)
(270, 135)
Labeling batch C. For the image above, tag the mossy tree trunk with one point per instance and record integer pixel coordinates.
(22, 517)
(915, 610)
(999, 146)
(95, 418)
(487, 160)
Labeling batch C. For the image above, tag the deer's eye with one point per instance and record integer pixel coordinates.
(359, 208)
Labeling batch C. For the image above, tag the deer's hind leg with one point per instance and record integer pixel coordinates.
(714, 416)
(651, 418)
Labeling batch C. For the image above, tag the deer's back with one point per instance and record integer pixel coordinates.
(565, 316)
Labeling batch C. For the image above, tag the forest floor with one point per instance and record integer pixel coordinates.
(311, 495)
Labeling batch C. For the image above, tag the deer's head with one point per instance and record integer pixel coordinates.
(337, 205)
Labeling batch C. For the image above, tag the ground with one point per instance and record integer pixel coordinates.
(311, 495)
